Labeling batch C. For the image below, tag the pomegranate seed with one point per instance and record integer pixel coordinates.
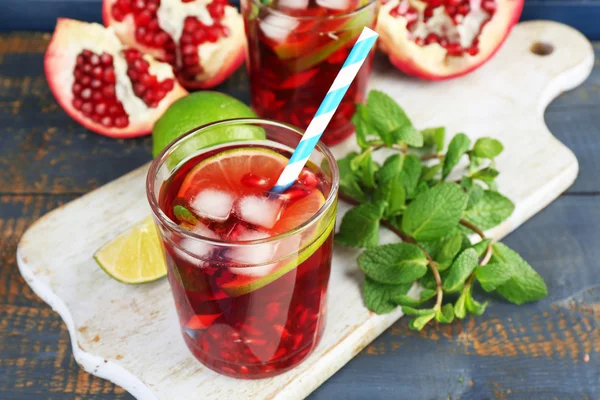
(80, 60)
(149, 38)
(77, 103)
(121, 122)
(87, 68)
(139, 5)
(454, 49)
(114, 110)
(87, 108)
(489, 6)
(199, 36)
(255, 181)
(293, 194)
(108, 91)
(188, 50)
(455, 2)
(307, 178)
(279, 354)
(432, 38)
(118, 14)
(109, 76)
(473, 50)
(100, 108)
(97, 96)
(450, 9)
(167, 84)
(76, 89)
(87, 54)
(96, 84)
(297, 340)
(191, 59)
(411, 26)
(107, 121)
(244, 370)
(96, 118)
(152, 7)
(190, 24)
(161, 39)
(94, 59)
(86, 93)
(463, 9)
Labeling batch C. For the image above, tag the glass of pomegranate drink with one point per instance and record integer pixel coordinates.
(295, 50)
(248, 269)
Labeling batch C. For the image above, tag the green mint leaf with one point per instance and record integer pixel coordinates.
(422, 187)
(450, 249)
(377, 295)
(466, 242)
(392, 192)
(486, 174)
(456, 149)
(360, 225)
(487, 148)
(348, 181)
(409, 135)
(473, 190)
(446, 314)
(393, 263)
(184, 215)
(460, 270)
(473, 306)
(493, 275)
(481, 247)
(431, 172)
(360, 119)
(391, 168)
(405, 300)
(428, 281)
(434, 213)
(387, 117)
(389, 185)
(460, 310)
(411, 172)
(362, 165)
(434, 137)
(490, 210)
(416, 312)
(418, 323)
(525, 284)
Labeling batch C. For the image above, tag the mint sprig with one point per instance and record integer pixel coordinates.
(415, 193)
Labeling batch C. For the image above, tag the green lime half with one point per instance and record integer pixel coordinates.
(198, 109)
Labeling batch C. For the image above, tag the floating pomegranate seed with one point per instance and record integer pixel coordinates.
(198, 322)
(293, 194)
(255, 181)
(307, 178)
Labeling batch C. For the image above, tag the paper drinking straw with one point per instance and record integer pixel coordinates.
(330, 103)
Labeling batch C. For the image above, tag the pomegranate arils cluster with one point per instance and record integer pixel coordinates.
(146, 86)
(94, 90)
(456, 11)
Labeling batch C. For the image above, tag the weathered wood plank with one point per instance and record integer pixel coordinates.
(35, 348)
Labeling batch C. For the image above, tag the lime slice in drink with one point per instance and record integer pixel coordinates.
(134, 256)
(224, 171)
(199, 109)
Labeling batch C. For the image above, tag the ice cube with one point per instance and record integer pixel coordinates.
(334, 4)
(261, 211)
(253, 254)
(197, 251)
(278, 27)
(293, 4)
(212, 204)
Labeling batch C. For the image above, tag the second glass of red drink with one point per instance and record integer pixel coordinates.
(295, 50)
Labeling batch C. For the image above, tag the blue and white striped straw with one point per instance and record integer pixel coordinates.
(330, 103)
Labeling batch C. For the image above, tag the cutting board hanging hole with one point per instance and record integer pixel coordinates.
(541, 49)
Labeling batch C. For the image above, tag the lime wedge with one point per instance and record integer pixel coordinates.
(134, 256)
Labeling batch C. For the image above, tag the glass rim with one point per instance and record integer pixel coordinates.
(352, 13)
(161, 158)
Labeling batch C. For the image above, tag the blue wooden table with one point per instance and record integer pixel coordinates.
(546, 350)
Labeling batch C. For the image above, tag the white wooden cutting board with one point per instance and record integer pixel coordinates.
(130, 334)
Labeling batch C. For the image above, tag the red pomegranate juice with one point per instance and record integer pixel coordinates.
(295, 50)
(247, 312)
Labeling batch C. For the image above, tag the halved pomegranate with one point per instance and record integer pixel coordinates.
(203, 39)
(109, 89)
(441, 39)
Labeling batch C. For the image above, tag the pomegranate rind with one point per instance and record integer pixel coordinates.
(430, 62)
(235, 48)
(69, 39)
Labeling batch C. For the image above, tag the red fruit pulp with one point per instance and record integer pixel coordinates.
(254, 334)
(294, 59)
